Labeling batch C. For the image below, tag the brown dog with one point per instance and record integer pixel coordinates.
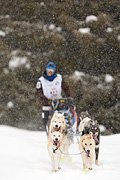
(87, 149)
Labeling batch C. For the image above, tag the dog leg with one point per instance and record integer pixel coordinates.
(90, 164)
(91, 160)
(51, 156)
(96, 155)
(84, 161)
(66, 147)
(59, 158)
(55, 160)
(52, 162)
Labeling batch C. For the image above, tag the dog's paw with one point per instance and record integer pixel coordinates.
(54, 171)
(90, 168)
(96, 162)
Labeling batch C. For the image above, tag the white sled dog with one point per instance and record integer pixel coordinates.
(58, 124)
(85, 122)
(87, 149)
(55, 141)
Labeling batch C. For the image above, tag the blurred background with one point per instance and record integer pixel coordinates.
(81, 37)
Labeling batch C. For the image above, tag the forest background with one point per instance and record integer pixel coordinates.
(81, 37)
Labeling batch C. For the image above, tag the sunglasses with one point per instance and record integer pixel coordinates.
(50, 70)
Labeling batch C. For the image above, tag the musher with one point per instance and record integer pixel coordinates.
(49, 87)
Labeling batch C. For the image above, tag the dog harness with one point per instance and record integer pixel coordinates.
(57, 146)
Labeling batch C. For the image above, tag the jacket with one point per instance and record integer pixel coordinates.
(39, 91)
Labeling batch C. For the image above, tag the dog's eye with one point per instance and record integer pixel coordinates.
(58, 135)
(55, 121)
(90, 144)
(54, 135)
(59, 122)
(85, 144)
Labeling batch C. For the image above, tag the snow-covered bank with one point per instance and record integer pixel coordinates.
(24, 156)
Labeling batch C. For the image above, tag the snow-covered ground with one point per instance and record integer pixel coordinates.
(24, 156)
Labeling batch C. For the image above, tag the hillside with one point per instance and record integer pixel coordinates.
(79, 36)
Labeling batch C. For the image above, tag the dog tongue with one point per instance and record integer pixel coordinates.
(57, 143)
(56, 129)
(95, 137)
(88, 154)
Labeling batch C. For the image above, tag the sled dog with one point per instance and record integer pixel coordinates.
(95, 132)
(89, 126)
(85, 123)
(57, 122)
(87, 149)
(55, 141)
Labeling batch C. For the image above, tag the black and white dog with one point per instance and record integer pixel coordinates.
(90, 126)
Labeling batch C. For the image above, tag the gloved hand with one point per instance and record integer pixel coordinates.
(50, 102)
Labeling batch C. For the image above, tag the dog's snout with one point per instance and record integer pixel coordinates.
(56, 139)
(56, 126)
(88, 151)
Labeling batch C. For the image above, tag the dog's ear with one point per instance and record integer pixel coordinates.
(54, 115)
(83, 140)
(55, 112)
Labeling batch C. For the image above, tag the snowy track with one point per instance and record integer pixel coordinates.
(24, 156)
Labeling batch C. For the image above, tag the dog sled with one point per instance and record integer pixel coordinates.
(66, 106)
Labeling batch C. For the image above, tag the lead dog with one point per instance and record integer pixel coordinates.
(89, 126)
(55, 141)
(87, 149)
(58, 124)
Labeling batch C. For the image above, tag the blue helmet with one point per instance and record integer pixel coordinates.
(51, 65)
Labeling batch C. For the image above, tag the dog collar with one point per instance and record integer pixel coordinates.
(57, 146)
(54, 150)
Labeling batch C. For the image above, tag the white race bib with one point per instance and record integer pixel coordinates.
(52, 89)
